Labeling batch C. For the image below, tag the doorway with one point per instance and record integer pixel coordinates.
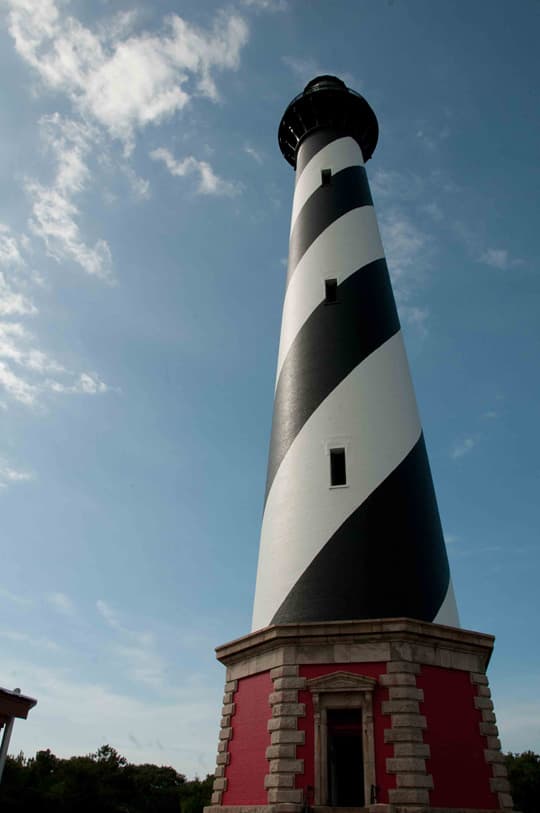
(344, 742)
(345, 759)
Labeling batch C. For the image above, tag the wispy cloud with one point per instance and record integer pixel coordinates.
(135, 648)
(86, 383)
(499, 258)
(15, 598)
(209, 182)
(407, 249)
(54, 212)
(408, 246)
(266, 5)
(37, 373)
(139, 186)
(68, 726)
(10, 253)
(162, 70)
(392, 186)
(14, 300)
(62, 603)
(112, 617)
(91, 67)
(463, 447)
(10, 475)
(29, 640)
(404, 244)
(253, 153)
(431, 136)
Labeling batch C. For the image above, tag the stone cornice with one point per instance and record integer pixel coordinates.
(389, 630)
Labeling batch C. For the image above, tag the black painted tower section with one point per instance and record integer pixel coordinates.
(372, 546)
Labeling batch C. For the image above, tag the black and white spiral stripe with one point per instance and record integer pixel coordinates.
(375, 547)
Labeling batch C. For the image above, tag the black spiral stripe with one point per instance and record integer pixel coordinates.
(349, 190)
(331, 343)
(388, 559)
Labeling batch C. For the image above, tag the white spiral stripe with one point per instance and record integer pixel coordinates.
(448, 611)
(338, 155)
(346, 245)
(373, 413)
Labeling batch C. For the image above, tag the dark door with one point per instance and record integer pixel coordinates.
(345, 759)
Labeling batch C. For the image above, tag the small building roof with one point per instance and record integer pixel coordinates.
(14, 704)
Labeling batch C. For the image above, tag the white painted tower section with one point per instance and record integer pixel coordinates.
(370, 410)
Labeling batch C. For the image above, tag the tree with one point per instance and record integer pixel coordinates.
(196, 794)
(524, 776)
(103, 782)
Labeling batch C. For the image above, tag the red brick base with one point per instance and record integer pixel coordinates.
(430, 742)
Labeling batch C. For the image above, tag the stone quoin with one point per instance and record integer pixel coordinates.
(356, 687)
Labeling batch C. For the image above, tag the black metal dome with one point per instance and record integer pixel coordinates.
(326, 101)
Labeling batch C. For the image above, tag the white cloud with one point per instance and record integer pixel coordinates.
(417, 317)
(34, 369)
(112, 618)
(13, 302)
(10, 475)
(431, 137)
(54, 212)
(253, 153)
(499, 258)
(76, 716)
(209, 182)
(62, 603)
(29, 640)
(16, 387)
(406, 250)
(403, 243)
(392, 186)
(9, 248)
(135, 650)
(86, 383)
(123, 80)
(139, 186)
(21, 601)
(463, 447)
(13, 336)
(143, 664)
(266, 5)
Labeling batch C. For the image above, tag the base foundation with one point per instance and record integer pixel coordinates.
(394, 715)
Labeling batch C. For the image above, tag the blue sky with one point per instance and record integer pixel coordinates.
(144, 222)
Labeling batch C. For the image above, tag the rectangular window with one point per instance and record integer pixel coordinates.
(338, 472)
(330, 290)
(326, 176)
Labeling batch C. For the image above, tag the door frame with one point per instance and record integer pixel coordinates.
(342, 690)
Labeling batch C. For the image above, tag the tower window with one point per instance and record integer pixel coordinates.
(338, 471)
(330, 290)
(326, 176)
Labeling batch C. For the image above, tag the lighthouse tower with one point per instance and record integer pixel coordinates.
(356, 688)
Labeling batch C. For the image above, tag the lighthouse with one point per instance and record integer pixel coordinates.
(350, 526)
(356, 687)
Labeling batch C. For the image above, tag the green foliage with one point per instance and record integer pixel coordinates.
(524, 775)
(104, 782)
